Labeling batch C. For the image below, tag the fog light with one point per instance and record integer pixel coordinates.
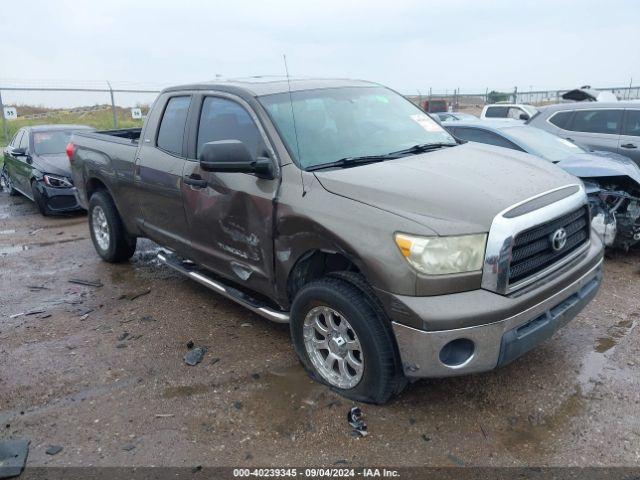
(457, 352)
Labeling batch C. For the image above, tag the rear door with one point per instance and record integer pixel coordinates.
(158, 174)
(596, 129)
(230, 215)
(629, 142)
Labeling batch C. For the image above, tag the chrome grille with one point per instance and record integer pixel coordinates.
(532, 250)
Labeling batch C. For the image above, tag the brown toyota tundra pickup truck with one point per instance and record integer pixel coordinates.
(393, 251)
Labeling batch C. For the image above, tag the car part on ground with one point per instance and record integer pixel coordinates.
(612, 181)
(393, 251)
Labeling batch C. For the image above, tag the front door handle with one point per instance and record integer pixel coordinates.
(570, 139)
(629, 145)
(195, 181)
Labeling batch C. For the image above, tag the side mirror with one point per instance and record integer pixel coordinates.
(19, 152)
(524, 116)
(233, 156)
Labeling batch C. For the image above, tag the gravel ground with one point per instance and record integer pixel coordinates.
(99, 371)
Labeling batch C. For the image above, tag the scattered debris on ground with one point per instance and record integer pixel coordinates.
(354, 417)
(87, 283)
(195, 355)
(53, 450)
(13, 456)
(131, 296)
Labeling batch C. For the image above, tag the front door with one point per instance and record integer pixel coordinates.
(158, 176)
(629, 143)
(230, 214)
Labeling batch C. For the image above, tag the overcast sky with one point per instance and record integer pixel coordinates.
(408, 45)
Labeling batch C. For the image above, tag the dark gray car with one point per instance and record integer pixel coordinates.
(340, 207)
(613, 126)
(612, 180)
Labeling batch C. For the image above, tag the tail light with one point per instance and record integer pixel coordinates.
(70, 150)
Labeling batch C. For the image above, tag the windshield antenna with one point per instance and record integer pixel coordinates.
(293, 118)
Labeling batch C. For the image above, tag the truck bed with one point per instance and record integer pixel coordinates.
(122, 135)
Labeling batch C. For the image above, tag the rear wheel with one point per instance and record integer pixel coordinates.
(344, 340)
(108, 233)
(8, 183)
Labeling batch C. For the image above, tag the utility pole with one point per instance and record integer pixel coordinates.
(4, 120)
(113, 106)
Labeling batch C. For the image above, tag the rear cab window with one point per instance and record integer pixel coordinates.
(172, 126)
(597, 121)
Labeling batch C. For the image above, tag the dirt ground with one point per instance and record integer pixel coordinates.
(100, 372)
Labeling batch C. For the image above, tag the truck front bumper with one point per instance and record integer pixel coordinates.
(479, 348)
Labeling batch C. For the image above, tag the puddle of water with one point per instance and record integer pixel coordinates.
(185, 390)
(287, 400)
(614, 334)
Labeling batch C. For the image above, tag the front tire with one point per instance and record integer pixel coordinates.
(39, 200)
(8, 182)
(345, 341)
(108, 233)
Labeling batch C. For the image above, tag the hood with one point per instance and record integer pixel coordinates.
(454, 190)
(58, 164)
(601, 164)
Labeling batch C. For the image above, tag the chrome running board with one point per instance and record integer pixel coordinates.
(170, 260)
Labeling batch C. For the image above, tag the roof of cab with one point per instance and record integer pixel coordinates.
(259, 86)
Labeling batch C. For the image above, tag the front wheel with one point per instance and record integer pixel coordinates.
(8, 183)
(108, 233)
(39, 200)
(344, 340)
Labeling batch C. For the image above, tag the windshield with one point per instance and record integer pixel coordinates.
(48, 143)
(543, 144)
(336, 123)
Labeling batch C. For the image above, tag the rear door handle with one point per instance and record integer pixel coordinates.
(195, 181)
(629, 145)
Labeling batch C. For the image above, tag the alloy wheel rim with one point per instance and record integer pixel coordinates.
(333, 347)
(100, 227)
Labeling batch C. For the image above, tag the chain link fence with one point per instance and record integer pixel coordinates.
(473, 102)
(102, 105)
(105, 105)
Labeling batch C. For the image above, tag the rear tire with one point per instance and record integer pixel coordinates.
(8, 183)
(333, 319)
(108, 233)
(39, 200)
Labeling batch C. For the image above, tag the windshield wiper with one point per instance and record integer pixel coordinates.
(352, 161)
(423, 147)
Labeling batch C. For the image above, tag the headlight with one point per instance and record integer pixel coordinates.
(57, 182)
(442, 255)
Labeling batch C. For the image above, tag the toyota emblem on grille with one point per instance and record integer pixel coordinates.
(559, 239)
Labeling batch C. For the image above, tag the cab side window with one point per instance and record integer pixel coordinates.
(497, 112)
(223, 119)
(597, 121)
(172, 125)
